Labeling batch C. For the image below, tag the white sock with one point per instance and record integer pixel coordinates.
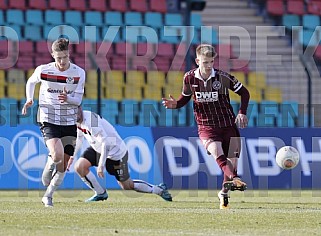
(55, 183)
(144, 187)
(91, 181)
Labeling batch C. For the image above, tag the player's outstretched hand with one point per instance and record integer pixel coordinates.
(100, 171)
(26, 106)
(241, 121)
(170, 103)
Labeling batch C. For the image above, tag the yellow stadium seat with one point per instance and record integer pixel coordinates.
(29, 73)
(273, 94)
(135, 78)
(156, 79)
(255, 93)
(114, 93)
(132, 92)
(240, 76)
(256, 79)
(152, 92)
(92, 92)
(115, 78)
(2, 92)
(175, 77)
(16, 76)
(174, 91)
(234, 96)
(2, 78)
(16, 90)
(92, 78)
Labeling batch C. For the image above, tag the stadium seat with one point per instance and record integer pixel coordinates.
(73, 18)
(170, 34)
(34, 17)
(167, 117)
(256, 79)
(9, 111)
(43, 47)
(25, 62)
(60, 5)
(135, 78)
(158, 6)
(152, 93)
(289, 114)
(173, 19)
(111, 34)
(131, 34)
(196, 20)
(194, 38)
(310, 21)
(32, 32)
(113, 18)
(91, 34)
(14, 4)
(16, 90)
(252, 113)
(134, 93)
(238, 64)
(53, 17)
(16, 76)
(118, 5)
(128, 115)
(120, 63)
(308, 38)
(153, 19)
(2, 21)
(209, 35)
(165, 49)
(15, 17)
(78, 5)
(89, 104)
(268, 114)
(98, 5)
(109, 110)
(155, 79)
(38, 4)
(275, 7)
(133, 18)
(26, 48)
(290, 20)
(256, 93)
(139, 6)
(314, 7)
(114, 84)
(273, 94)
(145, 49)
(149, 113)
(31, 117)
(93, 18)
(224, 50)
(161, 64)
(182, 116)
(3, 4)
(125, 49)
(296, 7)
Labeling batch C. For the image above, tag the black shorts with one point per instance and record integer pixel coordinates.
(67, 134)
(119, 169)
(229, 136)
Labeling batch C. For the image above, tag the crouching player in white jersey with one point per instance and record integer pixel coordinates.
(107, 150)
(61, 92)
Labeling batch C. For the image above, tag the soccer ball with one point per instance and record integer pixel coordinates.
(287, 157)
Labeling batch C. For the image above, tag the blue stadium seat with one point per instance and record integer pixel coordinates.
(172, 34)
(2, 21)
(196, 20)
(91, 34)
(252, 113)
(32, 32)
(9, 111)
(109, 110)
(290, 20)
(236, 107)
(89, 104)
(53, 17)
(168, 117)
(113, 18)
(13, 32)
(34, 17)
(93, 18)
(149, 113)
(289, 114)
(268, 114)
(308, 37)
(128, 115)
(153, 19)
(15, 17)
(195, 39)
(132, 34)
(150, 35)
(310, 21)
(73, 18)
(182, 116)
(173, 19)
(73, 32)
(111, 34)
(133, 18)
(190, 114)
(209, 35)
(31, 117)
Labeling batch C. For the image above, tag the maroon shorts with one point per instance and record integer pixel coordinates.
(228, 136)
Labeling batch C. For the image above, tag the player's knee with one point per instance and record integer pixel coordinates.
(80, 167)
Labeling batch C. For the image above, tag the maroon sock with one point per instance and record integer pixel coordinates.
(226, 166)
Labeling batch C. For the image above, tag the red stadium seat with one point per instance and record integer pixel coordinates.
(118, 5)
(295, 7)
(124, 49)
(42, 47)
(77, 5)
(162, 63)
(317, 53)
(120, 63)
(25, 62)
(239, 65)
(165, 49)
(84, 47)
(60, 5)
(314, 7)
(275, 7)
(26, 47)
(21, 4)
(224, 50)
(158, 6)
(140, 6)
(98, 5)
(145, 49)
(3, 4)
(38, 4)
(105, 48)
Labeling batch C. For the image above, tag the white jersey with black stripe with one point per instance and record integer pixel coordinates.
(53, 82)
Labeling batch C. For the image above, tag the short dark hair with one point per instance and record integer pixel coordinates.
(60, 44)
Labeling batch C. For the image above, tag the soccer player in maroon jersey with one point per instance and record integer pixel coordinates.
(216, 121)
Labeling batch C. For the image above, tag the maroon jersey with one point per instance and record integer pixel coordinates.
(211, 97)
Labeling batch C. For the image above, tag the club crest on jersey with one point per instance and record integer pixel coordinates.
(69, 80)
(216, 85)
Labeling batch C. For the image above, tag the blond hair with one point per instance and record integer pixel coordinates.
(205, 50)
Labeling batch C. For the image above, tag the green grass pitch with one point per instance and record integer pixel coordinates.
(192, 212)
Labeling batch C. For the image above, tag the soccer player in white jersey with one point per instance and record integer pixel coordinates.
(107, 150)
(216, 121)
(61, 92)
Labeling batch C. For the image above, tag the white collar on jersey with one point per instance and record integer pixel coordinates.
(198, 74)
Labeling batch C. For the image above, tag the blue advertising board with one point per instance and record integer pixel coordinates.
(174, 155)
